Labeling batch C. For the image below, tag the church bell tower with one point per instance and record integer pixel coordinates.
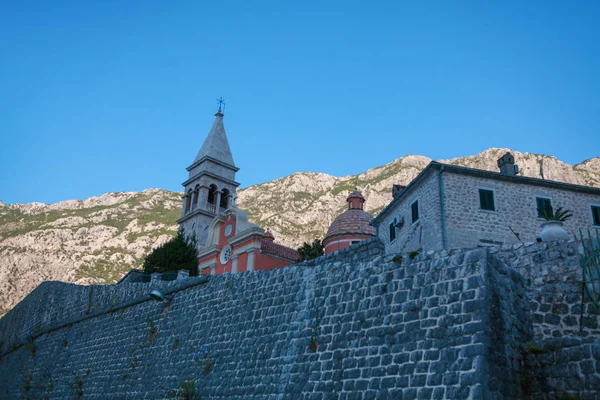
(211, 184)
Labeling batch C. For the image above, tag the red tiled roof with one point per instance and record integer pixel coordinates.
(269, 247)
(353, 220)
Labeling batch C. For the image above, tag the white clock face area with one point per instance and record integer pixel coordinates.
(228, 230)
(225, 254)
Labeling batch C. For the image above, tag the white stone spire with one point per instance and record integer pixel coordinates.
(216, 144)
(211, 183)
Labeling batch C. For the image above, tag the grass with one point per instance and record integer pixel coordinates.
(535, 349)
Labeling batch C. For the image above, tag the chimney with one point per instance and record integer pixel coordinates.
(507, 166)
(397, 189)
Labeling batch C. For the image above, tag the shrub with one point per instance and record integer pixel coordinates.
(308, 251)
(178, 253)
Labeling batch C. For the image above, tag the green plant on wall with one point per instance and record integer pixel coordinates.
(315, 328)
(152, 331)
(76, 384)
(27, 385)
(49, 380)
(31, 346)
(204, 358)
(186, 390)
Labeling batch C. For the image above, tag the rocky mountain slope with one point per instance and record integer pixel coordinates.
(97, 240)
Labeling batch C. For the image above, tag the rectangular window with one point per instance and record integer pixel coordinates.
(542, 203)
(596, 214)
(393, 230)
(486, 200)
(415, 211)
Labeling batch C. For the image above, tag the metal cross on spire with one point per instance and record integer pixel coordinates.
(221, 102)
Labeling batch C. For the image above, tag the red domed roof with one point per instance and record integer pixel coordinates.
(352, 221)
(355, 195)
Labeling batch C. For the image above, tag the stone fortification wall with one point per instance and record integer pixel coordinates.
(348, 330)
(53, 304)
(562, 368)
(445, 325)
(509, 327)
(365, 250)
(553, 277)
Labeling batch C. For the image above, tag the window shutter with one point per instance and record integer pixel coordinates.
(596, 215)
(415, 211)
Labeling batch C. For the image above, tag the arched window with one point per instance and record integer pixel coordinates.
(212, 194)
(188, 201)
(224, 199)
(195, 197)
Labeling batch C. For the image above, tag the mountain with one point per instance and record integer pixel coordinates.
(97, 240)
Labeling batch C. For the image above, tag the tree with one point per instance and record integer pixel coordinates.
(178, 253)
(308, 251)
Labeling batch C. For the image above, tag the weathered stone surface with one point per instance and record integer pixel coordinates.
(329, 329)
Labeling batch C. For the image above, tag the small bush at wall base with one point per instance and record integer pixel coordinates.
(397, 259)
(535, 349)
(187, 390)
(413, 254)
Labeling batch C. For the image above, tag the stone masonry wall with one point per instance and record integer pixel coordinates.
(446, 325)
(53, 303)
(553, 277)
(509, 327)
(425, 233)
(562, 368)
(516, 208)
(556, 363)
(365, 250)
(337, 330)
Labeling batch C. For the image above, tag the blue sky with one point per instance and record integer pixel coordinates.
(102, 96)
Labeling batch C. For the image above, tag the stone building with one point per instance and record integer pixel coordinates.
(350, 227)
(448, 206)
(227, 241)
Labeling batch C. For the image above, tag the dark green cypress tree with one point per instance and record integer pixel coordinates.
(178, 253)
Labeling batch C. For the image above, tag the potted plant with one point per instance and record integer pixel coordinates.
(553, 229)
